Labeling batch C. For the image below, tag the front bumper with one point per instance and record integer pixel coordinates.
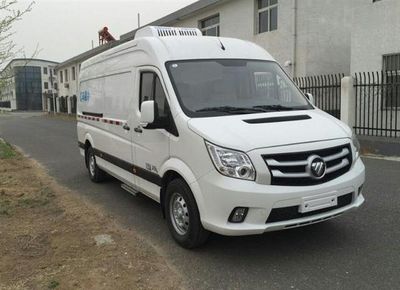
(220, 195)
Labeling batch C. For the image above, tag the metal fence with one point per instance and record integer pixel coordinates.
(377, 103)
(325, 89)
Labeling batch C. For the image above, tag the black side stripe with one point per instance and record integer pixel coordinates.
(131, 168)
(98, 115)
(114, 160)
(81, 145)
(147, 175)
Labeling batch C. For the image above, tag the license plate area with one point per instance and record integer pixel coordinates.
(313, 203)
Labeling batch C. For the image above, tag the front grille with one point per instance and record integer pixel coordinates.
(291, 169)
(292, 212)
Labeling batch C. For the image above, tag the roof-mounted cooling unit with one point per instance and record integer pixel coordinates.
(160, 31)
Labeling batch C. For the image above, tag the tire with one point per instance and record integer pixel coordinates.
(95, 173)
(184, 223)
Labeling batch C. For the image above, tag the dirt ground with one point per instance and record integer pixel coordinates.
(50, 239)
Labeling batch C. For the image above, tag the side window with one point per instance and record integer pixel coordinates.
(151, 89)
(160, 99)
(146, 87)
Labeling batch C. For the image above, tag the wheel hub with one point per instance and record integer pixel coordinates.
(92, 165)
(179, 213)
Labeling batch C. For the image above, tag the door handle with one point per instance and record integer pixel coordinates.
(138, 129)
(126, 127)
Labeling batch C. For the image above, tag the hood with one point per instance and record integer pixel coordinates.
(252, 131)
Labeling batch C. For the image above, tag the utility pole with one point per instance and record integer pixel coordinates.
(54, 103)
(138, 20)
(294, 47)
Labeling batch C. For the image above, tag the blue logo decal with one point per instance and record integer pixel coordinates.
(84, 96)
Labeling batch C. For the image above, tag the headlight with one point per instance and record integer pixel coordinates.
(356, 145)
(231, 163)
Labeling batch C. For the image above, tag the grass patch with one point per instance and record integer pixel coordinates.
(5, 207)
(53, 284)
(10, 203)
(32, 202)
(6, 151)
(43, 198)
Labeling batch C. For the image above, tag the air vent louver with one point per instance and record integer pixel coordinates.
(161, 31)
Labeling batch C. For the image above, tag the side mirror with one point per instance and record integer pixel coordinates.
(147, 113)
(310, 97)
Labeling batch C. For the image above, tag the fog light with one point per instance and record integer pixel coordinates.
(238, 214)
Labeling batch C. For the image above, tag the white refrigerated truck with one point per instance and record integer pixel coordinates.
(216, 132)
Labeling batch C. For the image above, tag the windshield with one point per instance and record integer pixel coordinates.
(219, 87)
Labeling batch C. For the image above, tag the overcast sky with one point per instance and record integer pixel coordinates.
(65, 28)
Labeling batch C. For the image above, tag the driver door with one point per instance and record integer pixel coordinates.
(151, 145)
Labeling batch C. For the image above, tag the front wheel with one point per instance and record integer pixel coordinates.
(183, 215)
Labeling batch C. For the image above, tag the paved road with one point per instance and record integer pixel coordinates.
(360, 250)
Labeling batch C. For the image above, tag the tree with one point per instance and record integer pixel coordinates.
(9, 15)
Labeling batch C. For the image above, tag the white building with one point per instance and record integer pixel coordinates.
(375, 66)
(375, 37)
(308, 37)
(26, 83)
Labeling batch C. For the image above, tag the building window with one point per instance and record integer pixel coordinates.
(55, 86)
(46, 85)
(45, 70)
(61, 76)
(66, 75)
(267, 15)
(210, 26)
(73, 73)
(391, 68)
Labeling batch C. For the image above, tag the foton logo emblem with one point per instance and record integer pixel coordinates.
(316, 166)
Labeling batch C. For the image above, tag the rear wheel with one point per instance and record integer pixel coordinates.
(95, 173)
(183, 215)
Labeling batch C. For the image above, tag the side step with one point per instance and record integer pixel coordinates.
(129, 189)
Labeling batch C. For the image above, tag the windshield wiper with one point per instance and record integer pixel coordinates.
(233, 110)
(278, 108)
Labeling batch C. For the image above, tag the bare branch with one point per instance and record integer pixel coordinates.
(9, 15)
